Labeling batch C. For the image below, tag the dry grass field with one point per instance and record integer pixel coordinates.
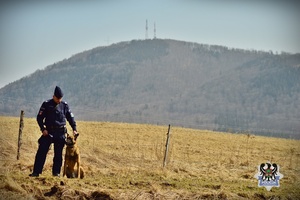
(124, 161)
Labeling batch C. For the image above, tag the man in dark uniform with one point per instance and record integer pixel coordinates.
(51, 119)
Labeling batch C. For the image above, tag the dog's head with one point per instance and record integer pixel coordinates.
(71, 139)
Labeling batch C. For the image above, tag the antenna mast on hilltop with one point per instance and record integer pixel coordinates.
(154, 31)
(146, 35)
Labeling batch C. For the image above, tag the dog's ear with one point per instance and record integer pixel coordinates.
(76, 135)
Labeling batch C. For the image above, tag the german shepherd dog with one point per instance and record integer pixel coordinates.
(72, 158)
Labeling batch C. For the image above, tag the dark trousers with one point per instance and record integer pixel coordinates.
(57, 137)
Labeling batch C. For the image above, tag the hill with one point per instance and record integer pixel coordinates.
(171, 82)
(124, 161)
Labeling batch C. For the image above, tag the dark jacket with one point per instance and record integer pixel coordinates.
(52, 115)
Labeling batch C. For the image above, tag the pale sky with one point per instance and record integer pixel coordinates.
(35, 34)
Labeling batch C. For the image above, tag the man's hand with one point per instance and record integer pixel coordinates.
(74, 132)
(45, 132)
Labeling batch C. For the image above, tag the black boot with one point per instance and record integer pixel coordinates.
(33, 174)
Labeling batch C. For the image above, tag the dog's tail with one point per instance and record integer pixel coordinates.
(81, 173)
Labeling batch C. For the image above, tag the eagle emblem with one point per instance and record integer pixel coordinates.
(268, 175)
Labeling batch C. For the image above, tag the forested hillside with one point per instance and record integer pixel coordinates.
(166, 81)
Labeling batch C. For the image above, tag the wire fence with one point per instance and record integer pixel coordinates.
(139, 149)
(88, 113)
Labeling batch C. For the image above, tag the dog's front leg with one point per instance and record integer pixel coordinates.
(78, 167)
(65, 166)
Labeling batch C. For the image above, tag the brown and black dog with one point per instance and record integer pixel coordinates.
(72, 158)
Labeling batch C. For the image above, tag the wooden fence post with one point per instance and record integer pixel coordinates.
(167, 146)
(20, 133)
